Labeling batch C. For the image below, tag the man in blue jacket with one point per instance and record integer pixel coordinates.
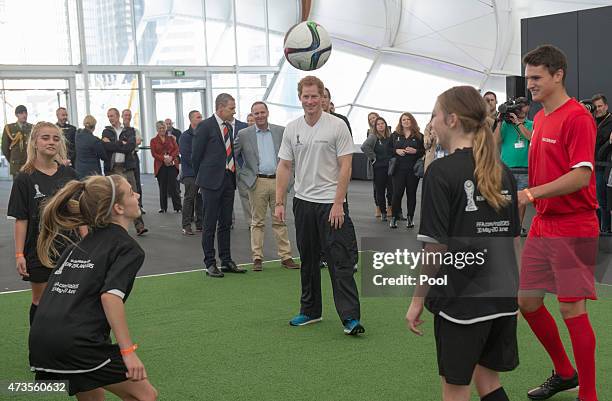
(188, 174)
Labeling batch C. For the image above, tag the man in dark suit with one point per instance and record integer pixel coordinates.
(69, 133)
(214, 165)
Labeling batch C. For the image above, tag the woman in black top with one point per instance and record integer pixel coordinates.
(407, 145)
(40, 177)
(372, 116)
(89, 149)
(70, 337)
(471, 200)
(377, 148)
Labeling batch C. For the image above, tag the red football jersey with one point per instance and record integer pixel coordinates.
(562, 141)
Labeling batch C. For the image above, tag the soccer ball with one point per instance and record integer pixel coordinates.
(307, 46)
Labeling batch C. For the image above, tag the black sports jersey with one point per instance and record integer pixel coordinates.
(70, 333)
(453, 212)
(27, 194)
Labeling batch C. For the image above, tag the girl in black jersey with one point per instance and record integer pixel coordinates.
(40, 177)
(471, 205)
(84, 299)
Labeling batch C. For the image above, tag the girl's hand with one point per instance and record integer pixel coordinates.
(136, 370)
(20, 263)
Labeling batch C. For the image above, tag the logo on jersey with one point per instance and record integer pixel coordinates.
(549, 140)
(468, 186)
(38, 193)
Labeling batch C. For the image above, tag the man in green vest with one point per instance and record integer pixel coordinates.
(15, 140)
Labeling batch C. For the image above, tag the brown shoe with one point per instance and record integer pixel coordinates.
(257, 265)
(289, 264)
(377, 212)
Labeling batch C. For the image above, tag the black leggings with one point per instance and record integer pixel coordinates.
(166, 179)
(382, 184)
(408, 182)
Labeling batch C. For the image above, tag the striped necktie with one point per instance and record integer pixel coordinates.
(227, 139)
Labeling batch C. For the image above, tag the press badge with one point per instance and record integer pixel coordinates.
(519, 145)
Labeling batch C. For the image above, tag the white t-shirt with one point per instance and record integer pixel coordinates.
(315, 151)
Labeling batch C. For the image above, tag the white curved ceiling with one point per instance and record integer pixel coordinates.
(483, 35)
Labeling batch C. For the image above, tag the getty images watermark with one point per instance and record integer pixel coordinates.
(483, 267)
(408, 260)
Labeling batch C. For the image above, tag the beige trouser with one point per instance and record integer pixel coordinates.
(262, 196)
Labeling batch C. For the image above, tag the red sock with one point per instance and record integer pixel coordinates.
(583, 342)
(544, 327)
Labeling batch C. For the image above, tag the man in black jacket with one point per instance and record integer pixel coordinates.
(69, 133)
(602, 149)
(171, 130)
(120, 143)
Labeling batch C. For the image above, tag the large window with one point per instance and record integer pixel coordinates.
(110, 90)
(251, 32)
(282, 15)
(220, 38)
(253, 88)
(108, 31)
(171, 33)
(42, 97)
(36, 32)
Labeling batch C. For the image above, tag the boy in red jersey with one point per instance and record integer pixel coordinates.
(560, 251)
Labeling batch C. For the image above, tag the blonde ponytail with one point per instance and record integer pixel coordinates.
(59, 214)
(471, 110)
(78, 203)
(488, 170)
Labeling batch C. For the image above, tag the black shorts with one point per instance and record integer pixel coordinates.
(38, 274)
(111, 373)
(460, 347)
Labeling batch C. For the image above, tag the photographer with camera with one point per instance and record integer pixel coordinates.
(603, 150)
(513, 133)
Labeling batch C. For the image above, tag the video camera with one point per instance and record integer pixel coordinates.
(513, 106)
(589, 105)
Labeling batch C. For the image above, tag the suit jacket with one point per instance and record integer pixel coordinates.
(89, 152)
(239, 126)
(208, 154)
(116, 145)
(246, 148)
(70, 135)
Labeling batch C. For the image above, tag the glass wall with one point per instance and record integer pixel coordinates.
(171, 33)
(42, 97)
(22, 40)
(110, 90)
(251, 32)
(108, 32)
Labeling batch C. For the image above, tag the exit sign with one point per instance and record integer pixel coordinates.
(179, 73)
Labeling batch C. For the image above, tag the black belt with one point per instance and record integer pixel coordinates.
(266, 175)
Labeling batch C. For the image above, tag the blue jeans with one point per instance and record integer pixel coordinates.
(602, 213)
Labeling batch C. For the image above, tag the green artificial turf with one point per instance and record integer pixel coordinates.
(229, 339)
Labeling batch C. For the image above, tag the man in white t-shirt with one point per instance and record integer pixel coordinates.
(321, 147)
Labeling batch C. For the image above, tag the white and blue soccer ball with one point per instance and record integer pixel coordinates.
(307, 46)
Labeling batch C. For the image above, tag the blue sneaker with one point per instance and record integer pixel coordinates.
(302, 320)
(352, 327)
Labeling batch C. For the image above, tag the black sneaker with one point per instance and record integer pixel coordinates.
(552, 386)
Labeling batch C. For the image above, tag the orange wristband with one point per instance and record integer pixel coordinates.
(129, 350)
(19, 255)
(529, 195)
